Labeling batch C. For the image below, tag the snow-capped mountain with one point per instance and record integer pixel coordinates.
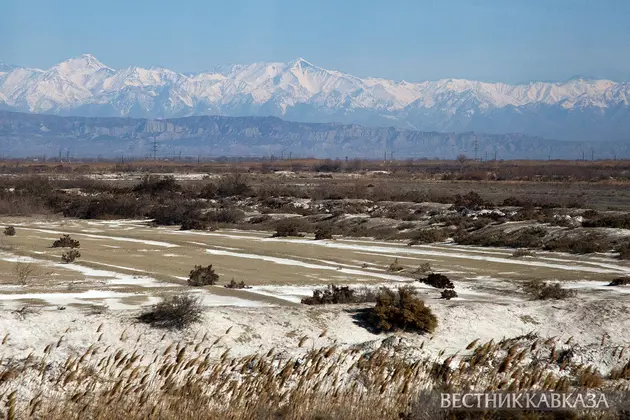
(578, 109)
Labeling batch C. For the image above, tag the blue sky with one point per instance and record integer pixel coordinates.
(501, 40)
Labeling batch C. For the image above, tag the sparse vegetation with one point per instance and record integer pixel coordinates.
(236, 285)
(70, 255)
(540, 290)
(202, 276)
(176, 312)
(9, 231)
(66, 242)
(334, 294)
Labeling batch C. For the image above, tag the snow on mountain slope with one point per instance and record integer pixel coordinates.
(302, 91)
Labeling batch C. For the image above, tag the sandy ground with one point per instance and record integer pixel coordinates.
(126, 264)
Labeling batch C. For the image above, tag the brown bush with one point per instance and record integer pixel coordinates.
(539, 290)
(323, 232)
(176, 312)
(202, 276)
(439, 281)
(66, 242)
(620, 281)
(580, 245)
(288, 227)
(395, 266)
(154, 185)
(427, 236)
(401, 310)
(624, 251)
(9, 231)
(334, 294)
(70, 256)
(448, 294)
(234, 285)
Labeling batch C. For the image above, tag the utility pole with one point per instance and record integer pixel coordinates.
(476, 144)
(592, 155)
(154, 148)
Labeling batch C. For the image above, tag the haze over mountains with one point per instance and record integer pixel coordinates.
(576, 110)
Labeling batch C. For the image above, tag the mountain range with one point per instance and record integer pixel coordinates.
(576, 110)
(24, 134)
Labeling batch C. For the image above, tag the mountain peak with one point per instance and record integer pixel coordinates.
(83, 61)
(300, 62)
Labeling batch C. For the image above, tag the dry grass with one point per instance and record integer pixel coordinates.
(194, 379)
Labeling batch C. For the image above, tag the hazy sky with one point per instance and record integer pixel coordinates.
(501, 40)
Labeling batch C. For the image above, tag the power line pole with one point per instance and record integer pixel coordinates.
(476, 144)
(154, 148)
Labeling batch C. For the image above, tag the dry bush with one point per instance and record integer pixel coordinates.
(9, 231)
(620, 281)
(23, 272)
(234, 285)
(66, 242)
(202, 276)
(539, 290)
(448, 294)
(228, 215)
(323, 232)
(530, 237)
(624, 251)
(518, 253)
(288, 227)
(151, 184)
(70, 255)
(423, 268)
(191, 223)
(231, 185)
(334, 294)
(608, 221)
(427, 236)
(471, 200)
(586, 244)
(395, 266)
(401, 310)
(439, 281)
(176, 312)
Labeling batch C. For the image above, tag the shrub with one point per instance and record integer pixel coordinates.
(323, 232)
(539, 290)
(448, 294)
(233, 185)
(395, 266)
(439, 281)
(402, 310)
(202, 276)
(24, 272)
(70, 256)
(234, 285)
(333, 294)
(620, 281)
(227, 215)
(288, 227)
(427, 236)
(9, 231)
(624, 251)
(472, 200)
(608, 221)
(580, 245)
(176, 312)
(423, 268)
(66, 242)
(155, 185)
(191, 223)
(523, 253)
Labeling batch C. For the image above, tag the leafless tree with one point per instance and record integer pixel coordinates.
(23, 272)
